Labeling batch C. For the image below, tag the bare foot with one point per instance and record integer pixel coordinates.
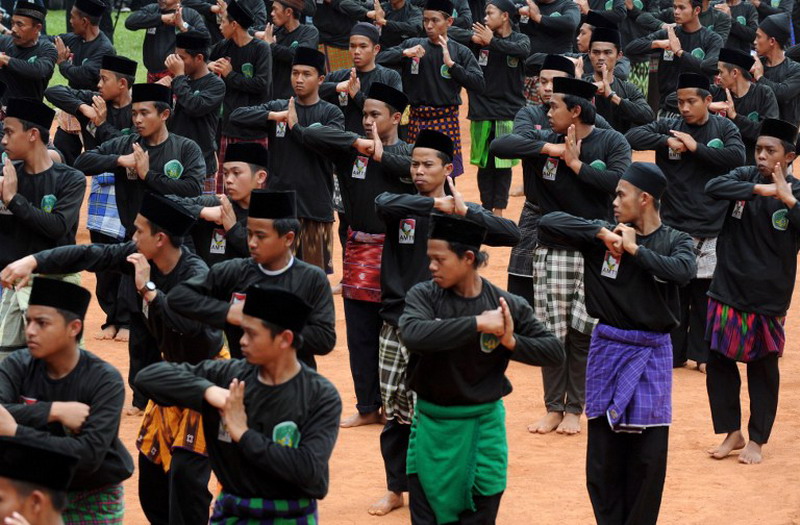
(133, 411)
(733, 441)
(336, 289)
(106, 333)
(547, 424)
(385, 505)
(359, 420)
(571, 424)
(517, 191)
(751, 455)
(498, 211)
(123, 334)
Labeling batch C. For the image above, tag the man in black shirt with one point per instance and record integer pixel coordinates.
(774, 69)
(69, 400)
(398, 19)
(461, 331)
(271, 421)
(750, 292)
(27, 61)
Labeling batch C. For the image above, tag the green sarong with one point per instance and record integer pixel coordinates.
(104, 506)
(479, 132)
(458, 452)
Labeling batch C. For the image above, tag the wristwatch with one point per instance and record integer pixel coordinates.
(611, 95)
(149, 286)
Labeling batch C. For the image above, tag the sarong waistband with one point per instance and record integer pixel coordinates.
(263, 509)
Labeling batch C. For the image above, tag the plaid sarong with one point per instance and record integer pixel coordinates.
(95, 507)
(223, 147)
(233, 510)
(629, 378)
(103, 215)
(558, 295)
(443, 119)
(530, 91)
(706, 254)
(743, 336)
(521, 260)
(361, 269)
(480, 131)
(398, 401)
(335, 58)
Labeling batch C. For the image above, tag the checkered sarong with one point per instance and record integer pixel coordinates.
(95, 507)
(443, 119)
(706, 254)
(558, 295)
(230, 510)
(521, 261)
(398, 401)
(335, 58)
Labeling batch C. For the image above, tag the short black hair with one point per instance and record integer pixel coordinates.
(43, 133)
(161, 107)
(175, 240)
(481, 257)
(69, 317)
(200, 51)
(94, 20)
(295, 12)
(254, 168)
(131, 80)
(588, 112)
(615, 44)
(274, 329)
(284, 226)
(742, 71)
(58, 498)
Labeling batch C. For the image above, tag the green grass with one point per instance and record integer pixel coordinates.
(127, 43)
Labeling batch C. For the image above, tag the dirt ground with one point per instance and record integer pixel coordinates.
(546, 481)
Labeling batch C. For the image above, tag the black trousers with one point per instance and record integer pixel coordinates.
(177, 497)
(494, 183)
(485, 513)
(107, 289)
(394, 449)
(364, 322)
(565, 385)
(522, 286)
(723, 384)
(68, 144)
(689, 338)
(625, 473)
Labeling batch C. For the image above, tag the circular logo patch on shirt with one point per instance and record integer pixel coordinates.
(780, 220)
(638, 4)
(83, 62)
(286, 434)
(32, 59)
(444, 71)
(698, 53)
(125, 131)
(742, 20)
(715, 143)
(173, 169)
(753, 116)
(489, 342)
(247, 70)
(609, 5)
(294, 44)
(710, 27)
(4, 157)
(512, 61)
(555, 14)
(775, 3)
(49, 202)
(598, 164)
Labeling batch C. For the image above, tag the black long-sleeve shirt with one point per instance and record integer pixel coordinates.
(712, 19)
(211, 242)
(401, 24)
(744, 22)
(450, 362)
(631, 292)
(44, 212)
(118, 119)
(28, 392)
(555, 32)
(784, 80)
(685, 205)
(292, 427)
(292, 166)
(207, 298)
(257, 8)
(405, 250)
(28, 70)
(196, 113)
(430, 82)
(283, 50)
(353, 107)
(633, 109)
(335, 19)
(176, 168)
(773, 7)
(503, 66)
(758, 245)
(248, 84)
(82, 71)
(751, 109)
(159, 40)
(635, 25)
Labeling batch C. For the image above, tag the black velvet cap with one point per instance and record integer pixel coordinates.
(647, 177)
(31, 111)
(604, 34)
(366, 29)
(61, 295)
(240, 14)
(26, 461)
(395, 98)
(429, 138)
(736, 57)
(777, 26)
(596, 19)
(192, 40)
(151, 93)
(277, 306)
(297, 5)
(505, 5)
(306, 56)
(249, 152)
(166, 214)
(780, 129)
(119, 64)
(30, 10)
(265, 204)
(90, 7)
(574, 86)
(445, 6)
(451, 228)
(693, 80)
(558, 63)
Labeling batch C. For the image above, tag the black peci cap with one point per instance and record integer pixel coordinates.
(30, 110)
(166, 214)
(265, 204)
(432, 139)
(61, 295)
(249, 152)
(460, 230)
(574, 86)
(395, 98)
(276, 306)
(647, 177)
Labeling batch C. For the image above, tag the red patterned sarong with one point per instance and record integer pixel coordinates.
(361, 278)
(152, 78)
(743, 336)
(443, 119)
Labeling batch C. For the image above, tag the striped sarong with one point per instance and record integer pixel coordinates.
(443, 119)
(233, 510)
(529, 89)
(743, 336)
(335, 58)
(216, 185)
(95, 507)
(398, 401)
(521, 260)
(361, 269)
(480, 132)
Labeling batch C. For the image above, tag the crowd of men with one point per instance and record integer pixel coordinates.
(212, 192)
